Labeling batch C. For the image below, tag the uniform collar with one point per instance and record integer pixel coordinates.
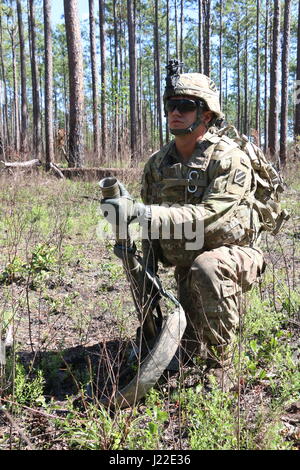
(201, 155)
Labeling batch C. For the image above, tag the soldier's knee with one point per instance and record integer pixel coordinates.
(204, 270)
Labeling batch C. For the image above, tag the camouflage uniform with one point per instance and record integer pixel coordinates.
(218, 193)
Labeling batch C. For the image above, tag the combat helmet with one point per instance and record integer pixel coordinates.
(193, 84)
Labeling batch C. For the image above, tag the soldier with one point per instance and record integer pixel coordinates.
(204, 179)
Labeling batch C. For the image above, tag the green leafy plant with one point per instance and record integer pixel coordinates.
(145, 433)
(211, 420)
(27, 389)
(96, 431)
(43, 258)
(14, 271)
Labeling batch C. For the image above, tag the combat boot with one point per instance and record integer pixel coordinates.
(189, 354)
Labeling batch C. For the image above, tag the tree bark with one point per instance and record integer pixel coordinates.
(103, 78)
(176, 28)
(94, 78)
(116, 80)
(238, 118)
(24, 116)
(274, 84)
(297, 110)
(246, 120)
(257, 105)
(48, 86)
(284, 82)
(167, 54)
(132, 78)
(266, 116)
(35, 84)
(220, 52)
(76, 97)
(6, 131)
(207, 23)
(181, 30)
(15, 113)
(157, 75)
(200, 36)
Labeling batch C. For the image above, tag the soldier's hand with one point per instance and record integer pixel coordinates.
(119, 212)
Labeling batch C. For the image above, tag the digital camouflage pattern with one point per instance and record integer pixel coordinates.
(213, 187)
(210, 294)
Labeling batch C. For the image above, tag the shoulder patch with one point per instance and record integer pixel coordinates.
(239, 176)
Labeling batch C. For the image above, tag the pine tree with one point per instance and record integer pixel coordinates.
(76, 97)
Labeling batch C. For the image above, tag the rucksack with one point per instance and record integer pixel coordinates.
(267, 183)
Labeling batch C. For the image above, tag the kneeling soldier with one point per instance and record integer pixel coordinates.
(201, 182)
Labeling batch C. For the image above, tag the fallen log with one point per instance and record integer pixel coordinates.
(28, 164)
(95, 174)
(83, 174)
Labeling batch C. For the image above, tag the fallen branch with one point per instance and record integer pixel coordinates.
(57, 171)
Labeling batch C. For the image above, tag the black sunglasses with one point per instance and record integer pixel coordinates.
(183, 105)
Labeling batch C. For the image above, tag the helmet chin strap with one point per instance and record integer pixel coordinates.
(187, 130)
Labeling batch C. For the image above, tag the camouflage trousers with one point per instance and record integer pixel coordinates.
(210, 292)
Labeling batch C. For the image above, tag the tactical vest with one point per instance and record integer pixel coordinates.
(173, 182)
(178, 183)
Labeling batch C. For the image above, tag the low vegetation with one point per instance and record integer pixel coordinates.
(68, 317)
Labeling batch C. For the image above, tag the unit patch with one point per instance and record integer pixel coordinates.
(239, 177)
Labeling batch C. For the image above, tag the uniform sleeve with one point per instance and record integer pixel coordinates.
(230, 183)
(147, 183)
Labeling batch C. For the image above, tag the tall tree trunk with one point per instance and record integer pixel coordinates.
(181, 30)
(96, 143)
(246, 120)
(103, 78)
(24, 117)
(122, 136)
(297, 110)
(157, 75)
(35, 85)
(48, 85)
(284, 82)
(167, 54)
(133, 78)
(266, 116)
(257, 105)
(220, 51)
(116, 80)
(65, 88)
(15, 113)
(176, 29)
(200, 36)
(226, 92)
(238, 39)
(274, 84)
(207, 23)
(76, 97)
(6, 132)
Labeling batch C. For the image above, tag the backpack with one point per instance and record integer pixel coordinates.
(267, 183)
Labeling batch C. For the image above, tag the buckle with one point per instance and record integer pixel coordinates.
(192, 177)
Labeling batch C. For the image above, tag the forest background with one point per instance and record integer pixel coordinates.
(86, 88)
